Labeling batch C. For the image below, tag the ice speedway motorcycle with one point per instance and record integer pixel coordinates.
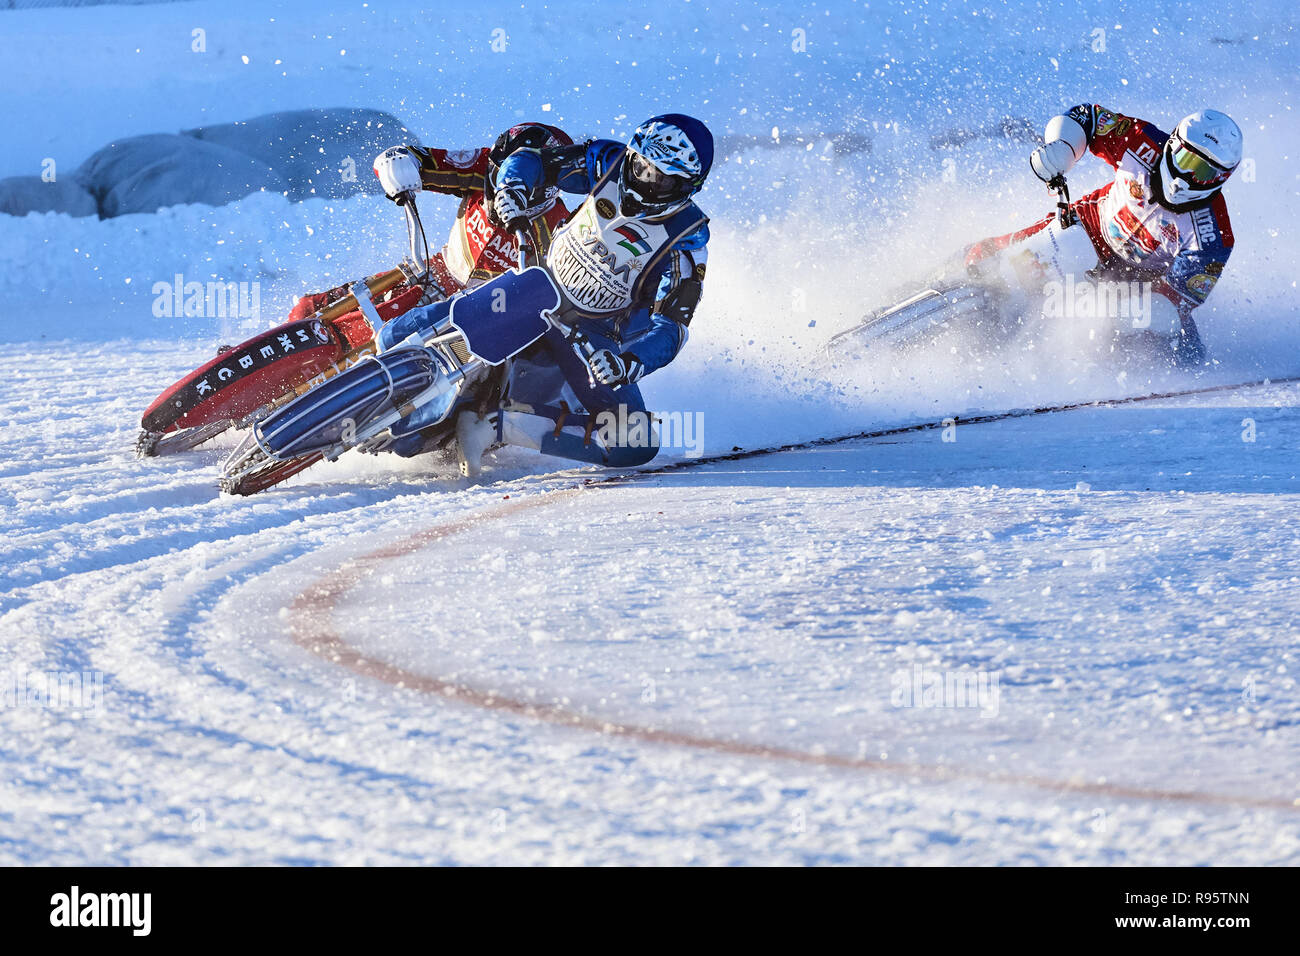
(1033, 280)
(323, 334)
(373, 402)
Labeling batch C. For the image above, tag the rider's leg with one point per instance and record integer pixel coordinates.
(422, 319)
(554, 407)
(1189, 350)
(621, 436)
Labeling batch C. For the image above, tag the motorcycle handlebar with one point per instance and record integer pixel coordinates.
(416, 241)
(1064, 214)
(521, 237)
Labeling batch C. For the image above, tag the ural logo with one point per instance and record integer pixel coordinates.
(633, 241)
(605, 208)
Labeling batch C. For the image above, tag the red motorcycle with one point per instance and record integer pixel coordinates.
(323, 334)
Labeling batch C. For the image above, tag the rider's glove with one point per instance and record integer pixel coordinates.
(615, 370)
(398, 172)
(1052, 160)
(508, 205)
(1065, 142)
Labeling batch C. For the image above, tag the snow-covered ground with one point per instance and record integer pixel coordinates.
(728, 663)
(1060, 639)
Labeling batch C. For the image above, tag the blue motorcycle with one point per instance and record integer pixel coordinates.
(408, 391)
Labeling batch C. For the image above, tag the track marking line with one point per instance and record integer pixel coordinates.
(311, 628)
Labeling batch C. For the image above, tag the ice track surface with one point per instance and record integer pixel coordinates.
(380, 664)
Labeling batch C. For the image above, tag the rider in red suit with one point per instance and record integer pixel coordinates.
(478, 247)
(1163, 218)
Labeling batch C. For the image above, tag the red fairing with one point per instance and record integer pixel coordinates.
(311, 304)
(246, 377)
(264, 367)
(355, 327)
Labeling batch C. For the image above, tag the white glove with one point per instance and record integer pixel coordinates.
(1052, 160)
(508, 205)
(398, 172)
(615, 370)
(1064, 145)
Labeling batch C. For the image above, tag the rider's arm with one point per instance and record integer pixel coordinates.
(681, 284)
(1109, 135)
(575, 169)
(457, 172)
(1090, 127)
(1193, 274)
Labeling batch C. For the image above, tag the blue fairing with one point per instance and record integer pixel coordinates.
(504, 316)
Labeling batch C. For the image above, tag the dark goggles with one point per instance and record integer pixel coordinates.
(651, 183)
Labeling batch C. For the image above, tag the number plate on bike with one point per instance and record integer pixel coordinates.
(503, 317)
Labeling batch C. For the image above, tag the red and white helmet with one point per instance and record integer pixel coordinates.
(1199, 156)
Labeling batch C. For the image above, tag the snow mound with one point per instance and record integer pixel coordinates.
(20, 195)
(319, 152)
(301, 154)
(148, 173)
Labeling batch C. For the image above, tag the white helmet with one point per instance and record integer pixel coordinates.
(1199, 156)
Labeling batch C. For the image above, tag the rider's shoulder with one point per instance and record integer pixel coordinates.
(1101, 122)
(603, 155)
(691, 226)
(696, 239)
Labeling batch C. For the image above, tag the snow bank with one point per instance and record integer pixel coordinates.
(20, 195)
(319, 152)
(143, 174)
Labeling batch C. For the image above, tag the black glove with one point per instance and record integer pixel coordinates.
(615, 370)
(509, 205)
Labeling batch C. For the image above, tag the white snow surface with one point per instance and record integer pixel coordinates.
(378, 662)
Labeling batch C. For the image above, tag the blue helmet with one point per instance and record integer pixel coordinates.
(666, 163)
